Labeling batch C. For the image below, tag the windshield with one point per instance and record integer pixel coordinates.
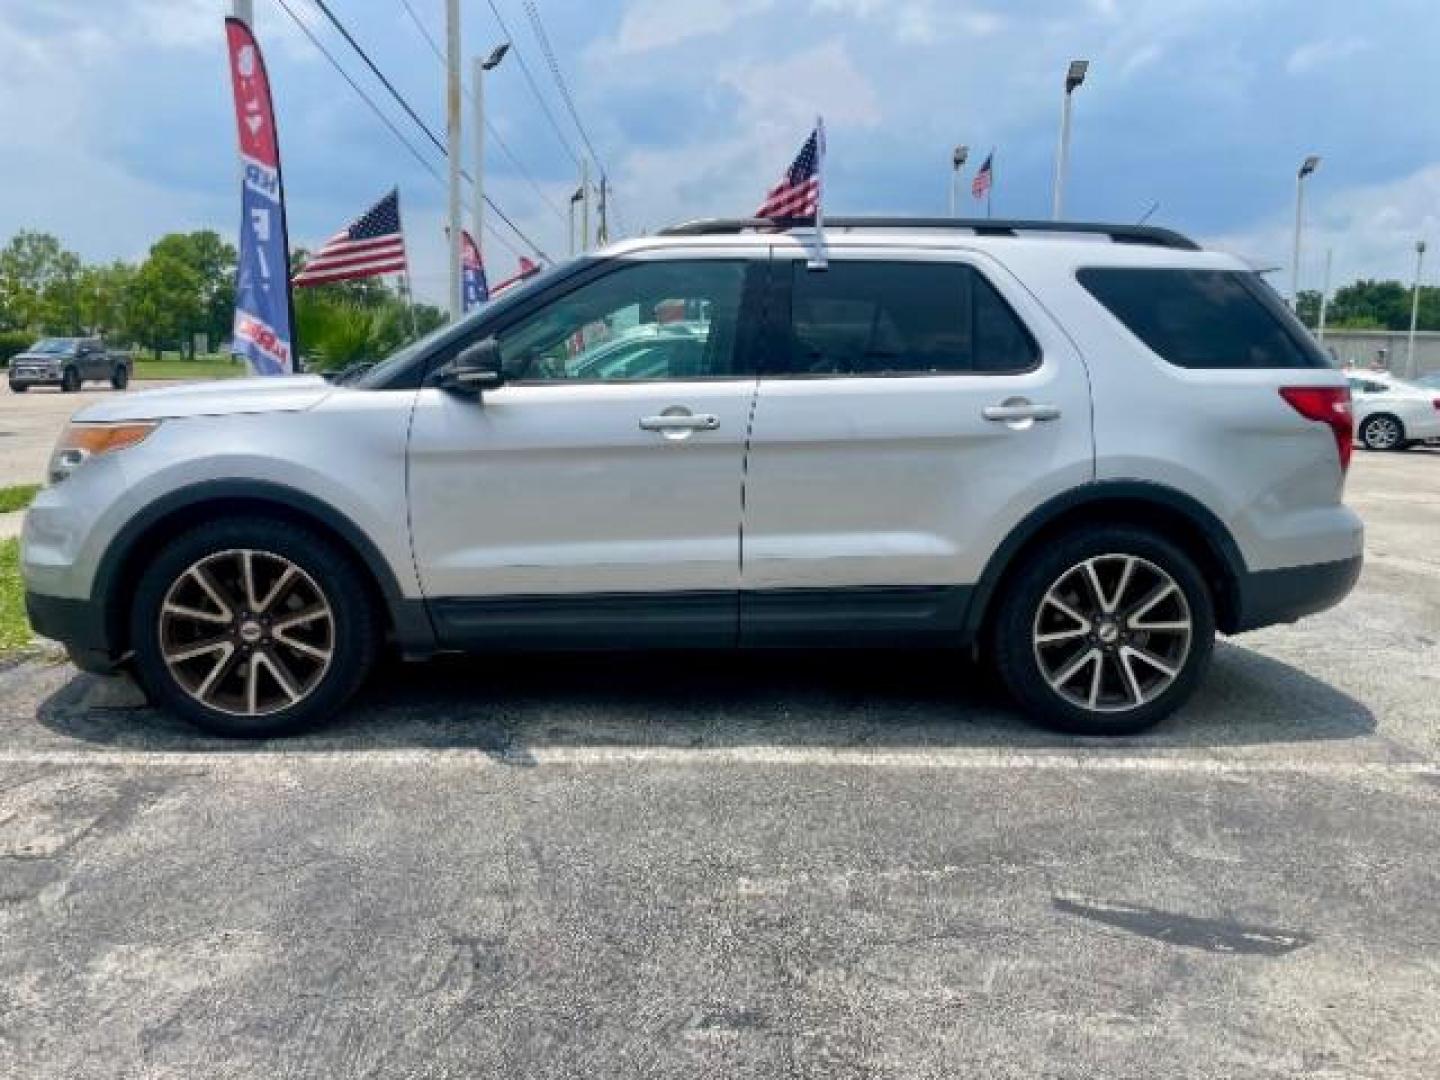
(380, 375)
(53, 346)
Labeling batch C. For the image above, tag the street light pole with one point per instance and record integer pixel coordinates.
(957, 162)
(1308, 166)
(452, 148)
(1325, 294)
(477, 92)
(1411, 367)
(1074, 76)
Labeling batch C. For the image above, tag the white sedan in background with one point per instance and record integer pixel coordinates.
(1391, 413)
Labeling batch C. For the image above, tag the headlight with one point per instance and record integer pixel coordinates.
(80, 442)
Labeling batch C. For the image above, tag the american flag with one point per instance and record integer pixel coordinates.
(372, 245)
(527, 268)
(980, 186)
(797, 195)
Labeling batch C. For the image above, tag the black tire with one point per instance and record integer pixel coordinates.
(70, 381)
(18, 388)
(1383, 432)
(120, 377)
(353, 633)
(1019, 622)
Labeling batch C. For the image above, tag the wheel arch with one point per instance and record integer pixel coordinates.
(119, 570)
(1171, 513)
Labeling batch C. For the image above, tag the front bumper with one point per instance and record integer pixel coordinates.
(79, 625)
(1266, 597)
(33, 377)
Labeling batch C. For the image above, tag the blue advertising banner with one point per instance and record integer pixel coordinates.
(262, 289)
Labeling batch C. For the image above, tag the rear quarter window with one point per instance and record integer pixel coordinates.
(1207, 319)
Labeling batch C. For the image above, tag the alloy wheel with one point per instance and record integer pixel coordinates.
(1112, 633)
(246, 632)
(1381, 433)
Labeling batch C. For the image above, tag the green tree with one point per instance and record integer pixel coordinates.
(30, 264)
(164, 303)
(103, 292)
(212, 262)
(1307, 307)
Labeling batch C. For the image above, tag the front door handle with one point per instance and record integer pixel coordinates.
(680, 422)
(1014, 410)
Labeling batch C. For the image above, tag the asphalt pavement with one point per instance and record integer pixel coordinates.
(855, 865)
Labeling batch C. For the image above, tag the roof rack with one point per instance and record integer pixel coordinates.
(1120, 234)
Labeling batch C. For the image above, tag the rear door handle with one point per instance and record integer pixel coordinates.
(1011, 411)
(680, 422)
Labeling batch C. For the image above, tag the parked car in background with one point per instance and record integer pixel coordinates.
(1078, 449)
(1392, 413)
(68, 363)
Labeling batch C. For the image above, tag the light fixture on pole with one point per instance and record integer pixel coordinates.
(477, 91)
(1308, 166)
(1411, 367)
(957, 162)
(1074, 76)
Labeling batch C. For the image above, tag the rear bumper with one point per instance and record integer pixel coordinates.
(79, 625)
(1267, 597)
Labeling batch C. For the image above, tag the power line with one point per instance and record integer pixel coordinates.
(410, 111)
(430, 168)
(489, 127)
(534, 86)
(370, 102)
(532, 12)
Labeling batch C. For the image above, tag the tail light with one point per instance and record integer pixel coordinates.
(1328, 405)
(1436, 403)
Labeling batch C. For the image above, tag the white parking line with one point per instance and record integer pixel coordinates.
(952, 760)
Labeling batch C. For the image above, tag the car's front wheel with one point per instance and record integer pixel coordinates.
(252, 628)
(70, 381)
(1105, 632)
(120, 377)
(18, 388)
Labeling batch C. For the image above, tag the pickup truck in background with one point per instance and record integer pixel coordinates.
(67, 363)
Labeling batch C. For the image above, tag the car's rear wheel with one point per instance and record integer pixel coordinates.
(120, 377)
(70, 381)
(1105, 632)
(18, 388)
(252, 628)
(1383, 432)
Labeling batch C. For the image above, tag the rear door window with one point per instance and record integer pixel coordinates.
(1205, 318)
(863, 318)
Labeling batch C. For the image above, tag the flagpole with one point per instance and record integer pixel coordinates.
(990, 190)
(820, 260)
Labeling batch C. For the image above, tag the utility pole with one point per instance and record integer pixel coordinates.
(1325, 293)
(1308, 166)
(1412, 367)
(603, 237)
(452, 148)
(1074, 76)
(577, 197)
(585, 205)
(478, 68)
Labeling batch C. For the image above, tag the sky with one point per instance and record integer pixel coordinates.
(118, 124)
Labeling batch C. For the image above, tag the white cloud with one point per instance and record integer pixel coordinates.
(1314, 55)
(656, 24)
(919, 21)
(1371, 228)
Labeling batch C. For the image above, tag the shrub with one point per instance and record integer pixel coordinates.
(13, 342)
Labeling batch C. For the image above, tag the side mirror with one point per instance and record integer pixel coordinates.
(476, 369)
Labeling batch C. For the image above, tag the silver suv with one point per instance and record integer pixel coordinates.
(1079, 449)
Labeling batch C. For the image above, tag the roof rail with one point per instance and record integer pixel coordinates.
(1120, 234)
